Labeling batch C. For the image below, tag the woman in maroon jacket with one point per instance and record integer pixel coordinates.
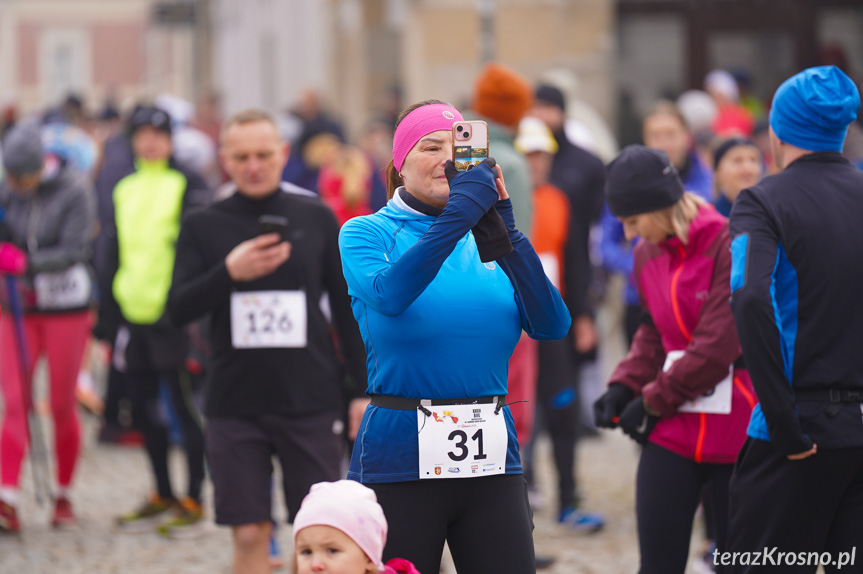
(681, 390)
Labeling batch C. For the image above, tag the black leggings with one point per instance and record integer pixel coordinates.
(486, 521)
(143, 378)
(668, 489)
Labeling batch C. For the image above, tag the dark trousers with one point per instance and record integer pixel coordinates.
(486, 521)
(153, 357)
(667, 491)
(240, 453)
(812, 505)
(559, 409)
(115, 393)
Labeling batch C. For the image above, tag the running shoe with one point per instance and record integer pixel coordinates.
(187, 513)
(148, 515)
(579, 521)
(9, 518)
(63, 515)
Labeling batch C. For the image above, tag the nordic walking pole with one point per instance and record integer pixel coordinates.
(38, 449)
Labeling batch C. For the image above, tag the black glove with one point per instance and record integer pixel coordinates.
(450, 171)
(490, 233)
(491, 236)
(635, 421)
(610, 405)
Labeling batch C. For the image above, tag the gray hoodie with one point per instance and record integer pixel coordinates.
(55, 227)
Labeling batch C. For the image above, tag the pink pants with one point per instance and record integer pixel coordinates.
(521, 384)
(61, 338)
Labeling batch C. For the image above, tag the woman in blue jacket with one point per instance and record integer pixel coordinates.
(442, 284)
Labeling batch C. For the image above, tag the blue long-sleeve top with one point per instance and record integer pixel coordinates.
(435, 320)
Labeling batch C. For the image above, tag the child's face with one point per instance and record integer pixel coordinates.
(328, 549)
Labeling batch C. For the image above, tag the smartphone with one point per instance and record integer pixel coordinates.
(469, 144)
(273, 224)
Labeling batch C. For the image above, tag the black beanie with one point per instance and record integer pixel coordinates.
(727, 145)
(150, 116)
(550, 95)
(641, 180)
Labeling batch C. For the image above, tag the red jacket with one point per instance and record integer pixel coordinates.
(685, 289)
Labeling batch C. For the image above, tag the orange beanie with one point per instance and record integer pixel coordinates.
(502, 95)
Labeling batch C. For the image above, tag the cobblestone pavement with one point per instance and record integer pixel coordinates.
(111, 480)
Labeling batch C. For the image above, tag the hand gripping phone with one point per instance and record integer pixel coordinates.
(273, 224)
(469, 144)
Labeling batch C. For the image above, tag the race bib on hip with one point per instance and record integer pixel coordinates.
(268, 319)
(67, 289)
(716, 401)
(461, 441)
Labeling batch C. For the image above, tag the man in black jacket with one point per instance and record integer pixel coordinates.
(275, 385)
(797, 244)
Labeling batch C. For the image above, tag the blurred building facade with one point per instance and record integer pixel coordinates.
(371, 57)
(359, 53)
(667, 46)
(130, 49)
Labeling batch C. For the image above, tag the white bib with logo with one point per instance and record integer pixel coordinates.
(715, 401)
(462, 441)
(269, 319)
(67, 289)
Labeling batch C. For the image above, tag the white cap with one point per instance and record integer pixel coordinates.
(534, 135)
(723, 83)
(697, 108)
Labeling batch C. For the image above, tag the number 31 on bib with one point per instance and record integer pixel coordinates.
(462, 441)
(268, 319)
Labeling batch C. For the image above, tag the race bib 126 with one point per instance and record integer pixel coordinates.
(268, 319)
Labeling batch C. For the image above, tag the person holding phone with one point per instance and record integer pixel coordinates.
(259, 264)
(682, 391)
(443, 284)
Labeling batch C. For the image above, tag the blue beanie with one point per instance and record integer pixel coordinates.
(812, 110)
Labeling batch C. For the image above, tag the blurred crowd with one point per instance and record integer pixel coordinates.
(553, 149)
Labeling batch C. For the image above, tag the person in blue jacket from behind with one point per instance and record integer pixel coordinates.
(442, 285)
(796, 247)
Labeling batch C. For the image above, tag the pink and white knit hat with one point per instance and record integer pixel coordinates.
(419, 123)
(350, 507)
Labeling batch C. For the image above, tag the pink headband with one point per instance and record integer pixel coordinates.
(421, 122)
(350, 507)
